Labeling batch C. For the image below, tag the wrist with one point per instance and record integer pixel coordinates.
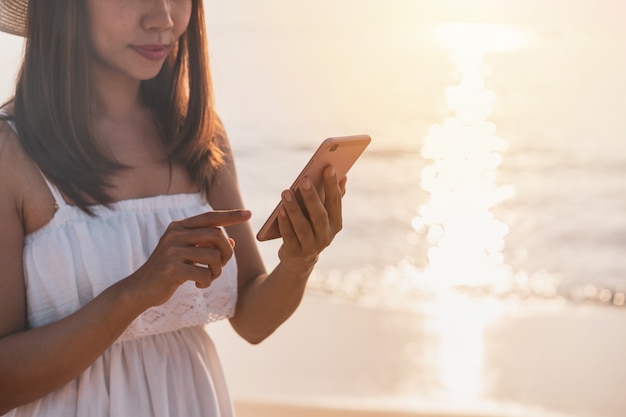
(133, 294)
(299, 266)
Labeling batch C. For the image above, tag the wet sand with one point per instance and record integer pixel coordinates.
(545, 357)
(265, 409)
(252, 409)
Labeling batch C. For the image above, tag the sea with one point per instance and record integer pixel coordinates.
(289, 74)
(506, 116)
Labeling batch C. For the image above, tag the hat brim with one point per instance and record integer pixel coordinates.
(13, 16)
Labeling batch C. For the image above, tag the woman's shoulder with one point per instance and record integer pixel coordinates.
(10, 147)
(12, 158)
(21, 183)
(12, 155)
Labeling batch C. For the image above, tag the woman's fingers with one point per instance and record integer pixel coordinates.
(318, 216)
(202, 276)
(205, 258)
(342, 186)
(334, 193)
(285, 227)
(179, 233)
(300, 224)
(314, 224)
(215, 218)
(198, 245)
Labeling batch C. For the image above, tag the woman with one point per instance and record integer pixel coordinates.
(122, 225)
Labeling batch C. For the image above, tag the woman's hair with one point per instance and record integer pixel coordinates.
(54, 96)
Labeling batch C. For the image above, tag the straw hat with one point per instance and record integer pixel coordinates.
(13, 16)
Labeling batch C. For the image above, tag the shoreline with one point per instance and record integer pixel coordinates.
(263, 408)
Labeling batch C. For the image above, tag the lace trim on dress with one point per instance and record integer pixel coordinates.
(189, 306)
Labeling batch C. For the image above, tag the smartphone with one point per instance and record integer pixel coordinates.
(340, 152)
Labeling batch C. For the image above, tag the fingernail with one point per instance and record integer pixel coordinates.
(330, 172)
(306, 184)
(287, 196)
(245, 213)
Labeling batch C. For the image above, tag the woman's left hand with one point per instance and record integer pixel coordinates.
(305, 236)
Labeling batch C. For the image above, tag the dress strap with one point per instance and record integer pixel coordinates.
(11, 123)
(58, 198)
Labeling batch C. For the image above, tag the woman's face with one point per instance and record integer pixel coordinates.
(132, 38)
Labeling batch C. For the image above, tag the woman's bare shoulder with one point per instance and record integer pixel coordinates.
(22, 188)
(12, 229)
(12, 162)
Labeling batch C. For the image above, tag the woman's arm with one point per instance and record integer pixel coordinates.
(34, 362)
(266, 300)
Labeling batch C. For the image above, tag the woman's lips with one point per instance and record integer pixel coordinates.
(152, 52)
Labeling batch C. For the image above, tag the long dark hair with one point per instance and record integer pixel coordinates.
(54, 92)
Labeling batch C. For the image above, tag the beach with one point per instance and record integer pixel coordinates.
(486, 357)
(388, 327)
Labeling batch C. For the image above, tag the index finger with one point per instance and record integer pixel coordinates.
(216, 218)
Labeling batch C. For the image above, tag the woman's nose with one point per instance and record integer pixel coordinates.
(158, 16)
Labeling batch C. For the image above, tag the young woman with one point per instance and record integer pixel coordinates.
(122, 226)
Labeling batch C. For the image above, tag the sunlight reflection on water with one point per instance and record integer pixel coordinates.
(467, 241)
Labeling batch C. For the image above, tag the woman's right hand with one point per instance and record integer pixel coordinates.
(192, 249)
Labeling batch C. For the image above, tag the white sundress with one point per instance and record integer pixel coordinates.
(164, 364)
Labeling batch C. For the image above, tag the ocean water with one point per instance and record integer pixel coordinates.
(289, 75)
